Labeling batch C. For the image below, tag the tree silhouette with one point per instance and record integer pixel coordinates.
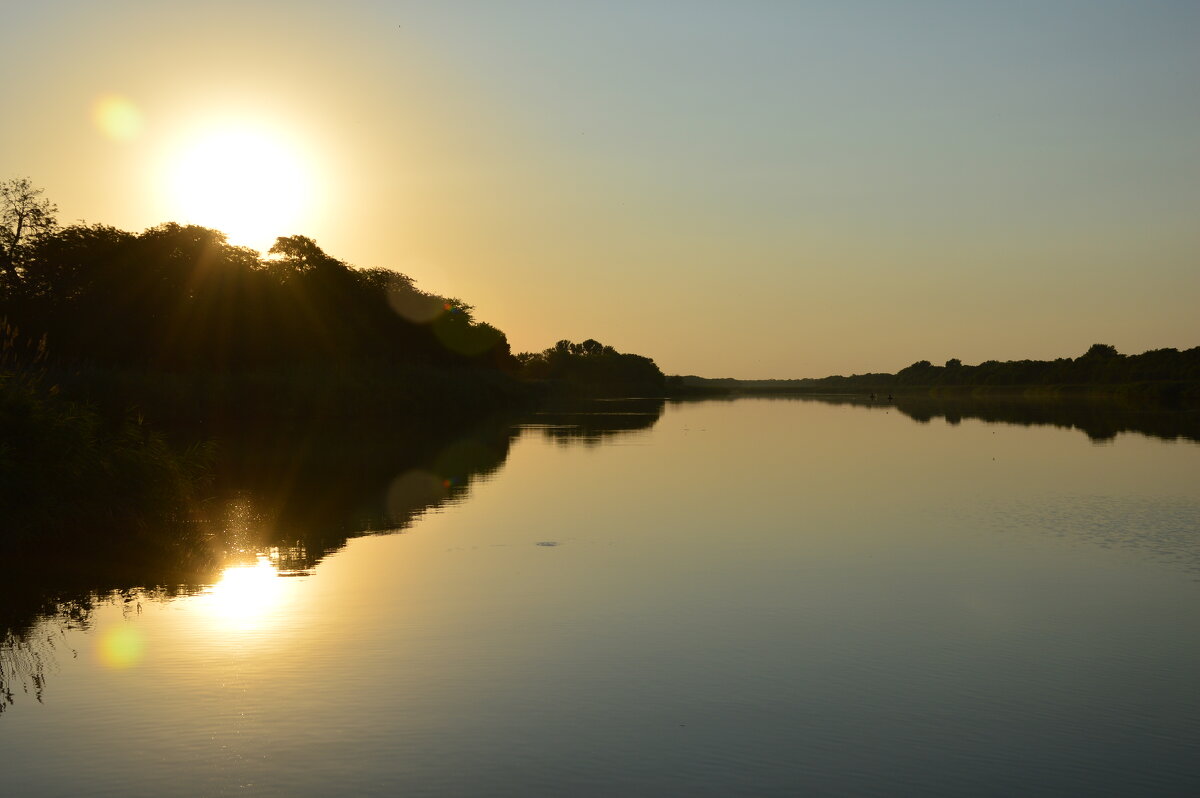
(1101, 351)
(24, 218)
(592, 368)
(1167, 375)
(182, 298)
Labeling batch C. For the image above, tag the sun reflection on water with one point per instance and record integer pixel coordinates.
(245, 595)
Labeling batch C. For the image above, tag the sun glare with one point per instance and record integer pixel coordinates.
(246, 595)
(251, 183)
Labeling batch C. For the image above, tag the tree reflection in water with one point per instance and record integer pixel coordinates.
(282, 501)
(1100, 420)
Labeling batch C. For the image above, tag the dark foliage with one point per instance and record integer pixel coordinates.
(1161, 375)
(593, 369)
(1100, 365)
(181, 298)
(205, 339)
(210, 341)
(63, 466)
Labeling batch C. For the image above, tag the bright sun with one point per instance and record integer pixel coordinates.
(246, 596)
(251, 183)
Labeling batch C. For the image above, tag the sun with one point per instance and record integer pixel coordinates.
(250, 182)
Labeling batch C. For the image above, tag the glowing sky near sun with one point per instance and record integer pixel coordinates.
(735, 189)
(249, 182)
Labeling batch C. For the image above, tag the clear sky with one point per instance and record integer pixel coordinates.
(747, 189)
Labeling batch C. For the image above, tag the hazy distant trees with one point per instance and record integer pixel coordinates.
(1101, 364)
(916, 374)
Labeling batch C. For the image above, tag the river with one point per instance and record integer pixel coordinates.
(756, 597)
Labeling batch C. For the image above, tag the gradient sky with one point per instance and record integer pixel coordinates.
(748, 189)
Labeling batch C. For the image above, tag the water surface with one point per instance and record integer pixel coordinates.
(758, 597)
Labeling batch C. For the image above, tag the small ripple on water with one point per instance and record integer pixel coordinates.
(1166, 529)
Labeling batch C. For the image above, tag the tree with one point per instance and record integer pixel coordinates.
(1101, 351)
(300, 255)
(72, 261)
(24, 218)
(591, 347)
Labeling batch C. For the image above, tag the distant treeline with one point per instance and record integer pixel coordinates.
(1163, 374)
(1100, 365)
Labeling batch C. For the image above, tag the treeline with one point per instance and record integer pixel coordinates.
(593, 369)
(1159, 374)
(181, 298)
(1100, 365)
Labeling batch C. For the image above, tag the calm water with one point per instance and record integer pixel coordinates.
(758, 597)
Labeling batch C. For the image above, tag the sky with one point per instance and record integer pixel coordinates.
(745, 189)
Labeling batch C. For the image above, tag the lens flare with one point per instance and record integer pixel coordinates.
(459, 335)
(412, 492)
(415, 306)
(121, 646)
(117, 117)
